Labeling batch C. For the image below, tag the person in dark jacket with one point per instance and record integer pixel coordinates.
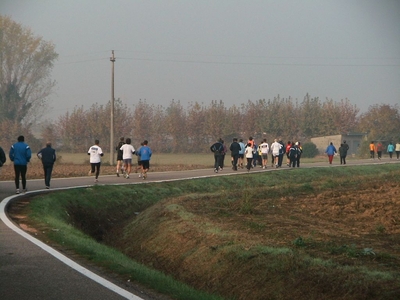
(3, 158)
(235, 149)
(343, 153)
(218, 150)
(48, 156)
(20, 154)
(293, 152)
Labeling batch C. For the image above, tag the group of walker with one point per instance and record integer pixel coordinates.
(256, 154)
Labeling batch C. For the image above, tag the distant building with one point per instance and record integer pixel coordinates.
(352, 139)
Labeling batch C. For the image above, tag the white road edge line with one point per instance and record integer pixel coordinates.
(107, 284)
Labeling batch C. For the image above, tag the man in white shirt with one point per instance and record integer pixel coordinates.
(264, 147)
(275, 147)
(127, 152)
(95, 153)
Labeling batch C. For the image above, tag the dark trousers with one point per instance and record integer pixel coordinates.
(293, 162)
(280, 160)
(217, 161)
(48, 169)
(298, 161)
(343, 160)
(97, 167)
(235, 158)
(249, 163)
(20, 170)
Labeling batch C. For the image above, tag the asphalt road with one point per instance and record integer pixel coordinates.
(31, 270)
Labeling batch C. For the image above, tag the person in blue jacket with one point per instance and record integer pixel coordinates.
(330, 151)
(145, 154)
(20, 154)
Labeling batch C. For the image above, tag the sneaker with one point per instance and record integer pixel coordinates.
(96, 181)
(216, 170)
(117, 174)
(47, 187)
(17, 192)
(127, 176)
(263, 167)
(140, 175)
(24, 190)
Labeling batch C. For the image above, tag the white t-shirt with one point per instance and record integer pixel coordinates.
(275, 147)
(127, 151)
(248, 152)
(95, 154)
(264, 148)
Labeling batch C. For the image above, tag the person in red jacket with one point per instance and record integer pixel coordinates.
(288, 145)
(379, 149)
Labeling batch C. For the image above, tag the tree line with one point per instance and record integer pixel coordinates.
(193, 129)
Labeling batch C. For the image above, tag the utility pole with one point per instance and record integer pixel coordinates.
(112, 59)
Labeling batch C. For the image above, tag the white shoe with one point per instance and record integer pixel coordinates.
(17, 192)
(140, 175)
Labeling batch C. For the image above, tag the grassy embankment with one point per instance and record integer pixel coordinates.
(298, 234)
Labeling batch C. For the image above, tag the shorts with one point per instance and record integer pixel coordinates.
(139, 163)
(128, 161)
(145, 164)
(241, 155)
(264, 156)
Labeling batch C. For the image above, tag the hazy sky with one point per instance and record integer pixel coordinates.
(206, 50)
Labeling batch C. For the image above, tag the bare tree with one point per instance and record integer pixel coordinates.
(26, 63)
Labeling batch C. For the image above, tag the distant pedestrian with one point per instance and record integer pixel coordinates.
(95, 153)
(287, 149)
(343, 153)
(3, 158)
(139, 162)
(397, 149)
(145, 155)
(299, 153)
(379, 149)
(293, 155)
(275, 149)
(390, 149)
(248, 152)
(372, 150)
(282, 151)
(48, 156)
(330, 151)
(217, 148)
(120, 160)
(235, 149)
(241, 154)
(20, 154)
(127, 153)
(223, 154)
(264, 147)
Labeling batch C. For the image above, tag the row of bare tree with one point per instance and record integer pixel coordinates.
(176, 129)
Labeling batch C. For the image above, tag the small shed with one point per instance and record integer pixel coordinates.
(352, 139)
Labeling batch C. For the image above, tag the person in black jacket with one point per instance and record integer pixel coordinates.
(235, 149)
(3, 157)
(48, 156)
(218, 150)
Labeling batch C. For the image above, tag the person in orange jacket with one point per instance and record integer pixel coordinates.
(372, 150)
